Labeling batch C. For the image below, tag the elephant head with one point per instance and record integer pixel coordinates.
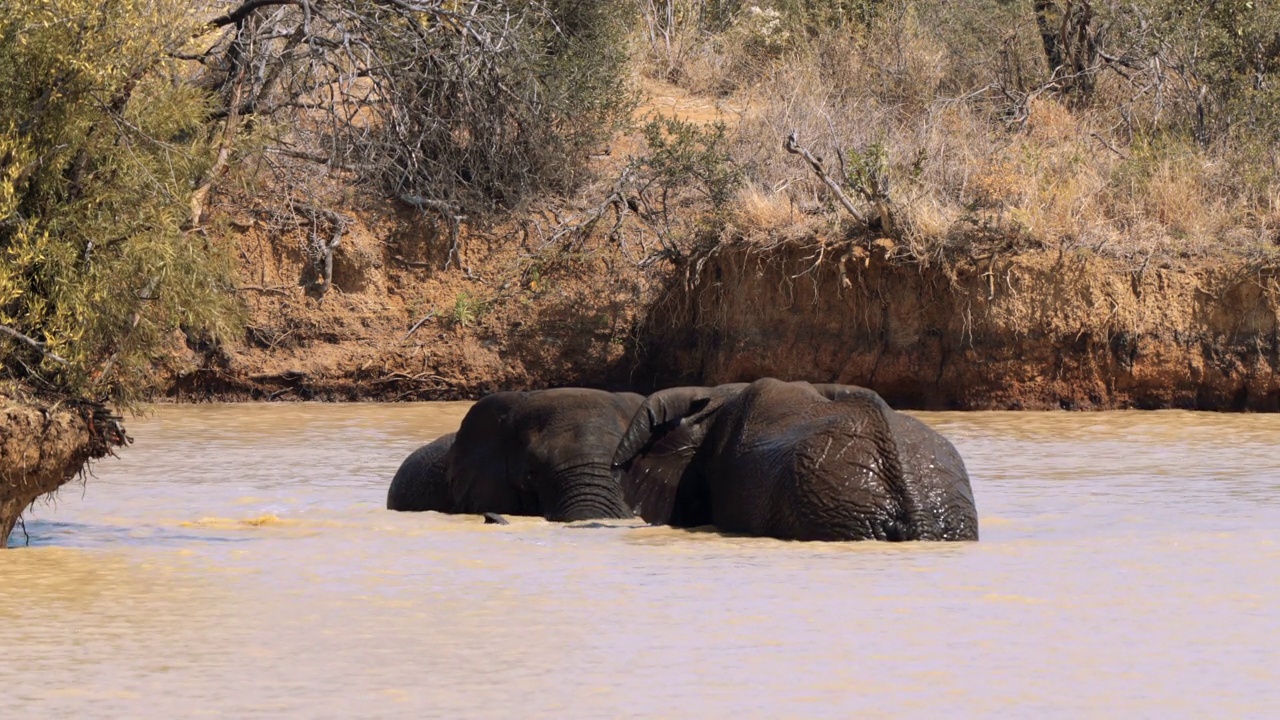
(421, 484)
(654, 459)
(544, 452)
(793, 460)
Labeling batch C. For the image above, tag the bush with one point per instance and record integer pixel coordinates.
(1138, 126)
(684, 154)
(101, 146)
(465, 108)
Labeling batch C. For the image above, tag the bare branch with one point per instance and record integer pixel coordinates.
(793, 146)
(417, 325)
(246, 9)
(36, 344)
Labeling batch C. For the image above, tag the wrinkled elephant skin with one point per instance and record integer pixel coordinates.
(793, 461)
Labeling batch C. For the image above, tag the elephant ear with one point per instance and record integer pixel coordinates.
(653, 459)
(421, 483)
(924, 472)
(481, 457)
(934, 470)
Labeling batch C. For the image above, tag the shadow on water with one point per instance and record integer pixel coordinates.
(45, 533)
(605, 525)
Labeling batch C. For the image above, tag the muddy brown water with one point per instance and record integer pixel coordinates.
(238, 562)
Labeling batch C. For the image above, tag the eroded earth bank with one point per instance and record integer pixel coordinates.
(44, 445)
(1031, 329)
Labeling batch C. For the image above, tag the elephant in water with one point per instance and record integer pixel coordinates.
(793, 461)
(543, 452)
(420, 484)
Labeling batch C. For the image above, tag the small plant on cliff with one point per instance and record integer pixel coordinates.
(866, 171)
(101, 147)
(467, 309)
(685, 154)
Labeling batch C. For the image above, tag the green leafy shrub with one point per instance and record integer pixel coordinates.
(685, 154)
(101, 146)
(467, 309)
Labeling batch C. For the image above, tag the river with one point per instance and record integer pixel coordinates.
(237, 562)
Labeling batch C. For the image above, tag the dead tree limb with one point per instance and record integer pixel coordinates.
(222, 161)
(36, 344)
(246, 9)
(449, 213)
(793, 146)
(323, 249)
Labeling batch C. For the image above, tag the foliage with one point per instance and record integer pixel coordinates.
(467, 309)
(1226, 56)
(1141, 126)
(685, 154)
(817, 17)
(464, 108)
(867, 170)
(101, 145)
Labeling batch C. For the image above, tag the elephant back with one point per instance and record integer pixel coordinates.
(935, 473)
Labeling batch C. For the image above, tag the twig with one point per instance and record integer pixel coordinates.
(421, 202)
(793, 146)
(418, 324)
(35, 344)
(274, 289)
(410, 263)
(1109, 146)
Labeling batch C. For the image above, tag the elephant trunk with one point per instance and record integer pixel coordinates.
(660, 412)
(587, 492)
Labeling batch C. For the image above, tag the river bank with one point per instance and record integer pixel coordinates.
(1040, 329)
(44, 444)
(1033, 328)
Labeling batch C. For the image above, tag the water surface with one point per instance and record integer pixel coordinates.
(238, 562)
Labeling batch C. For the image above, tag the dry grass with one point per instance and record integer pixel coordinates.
(759, 212)
(960, 156)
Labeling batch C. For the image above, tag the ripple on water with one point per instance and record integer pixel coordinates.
(237, 561)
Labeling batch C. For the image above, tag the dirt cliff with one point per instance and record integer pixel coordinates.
(1034, 330)
(1038, 328)
(407, 319)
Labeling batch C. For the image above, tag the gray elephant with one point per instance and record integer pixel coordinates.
(543, 452)
(420, 484)
(793, 461)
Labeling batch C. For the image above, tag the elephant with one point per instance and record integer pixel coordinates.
(542, 453)
(419, 484)
(793, 461)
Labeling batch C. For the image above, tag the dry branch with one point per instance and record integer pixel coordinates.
(36, 344)
(323, 249)
(418, 324)
(793, 146)
(273, 290)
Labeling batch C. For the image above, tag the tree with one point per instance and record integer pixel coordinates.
(101, 144)
(462, 108)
